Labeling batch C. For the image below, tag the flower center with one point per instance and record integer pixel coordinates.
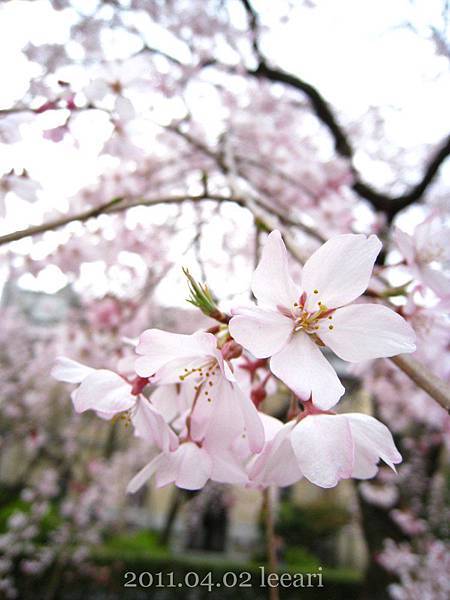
(307, 320)
(205, 376)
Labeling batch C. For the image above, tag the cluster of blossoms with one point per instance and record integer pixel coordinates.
(422, 572)
(196, 399)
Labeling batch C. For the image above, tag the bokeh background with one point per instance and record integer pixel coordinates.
(172, 130)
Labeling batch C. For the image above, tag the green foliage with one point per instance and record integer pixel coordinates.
(300, 558)
(141, 552)
(305, 525)
(9, 509)
(135, 546)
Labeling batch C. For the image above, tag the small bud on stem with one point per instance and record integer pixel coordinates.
(201, 297)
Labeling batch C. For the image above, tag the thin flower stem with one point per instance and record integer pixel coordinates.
(272, 561)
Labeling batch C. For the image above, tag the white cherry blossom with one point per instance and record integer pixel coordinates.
(291, 322)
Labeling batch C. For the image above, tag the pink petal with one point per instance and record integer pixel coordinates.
(144, 474)
(364, 467)
(166, 401)
(150, 425)
(304, 369)
(227, 469)
(168, 468)
(261, 332)
(339, 270)
(271, 426)
(194, 468)
(70, 371)
(253, 426)
(271, 282)
(373, 441)
(277, 464)
(405, 244)
(104, 391)
(436, 280)
(162, 347)
(364, 331)
(225, 414)
(324, 449)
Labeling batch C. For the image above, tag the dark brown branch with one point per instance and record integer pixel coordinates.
(390, 205)
(318, 103)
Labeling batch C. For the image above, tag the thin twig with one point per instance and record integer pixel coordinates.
(115, 206)
(272, 561)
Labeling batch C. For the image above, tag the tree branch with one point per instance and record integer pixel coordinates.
(425, 379)
(389, 205)
(418, 372)
(114, 206)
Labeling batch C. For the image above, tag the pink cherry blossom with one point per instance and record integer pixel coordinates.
(325, 448)
(290, 323)
(173, 358)
(109, 394)
(193, 463)
(427, 254)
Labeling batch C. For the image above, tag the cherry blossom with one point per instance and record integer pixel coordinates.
(173, 358)
(427, 253)
(109, 394)
(152, 104)
(290, 323)
(192, 464)
(325, 448)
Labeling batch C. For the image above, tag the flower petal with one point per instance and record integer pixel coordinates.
(194, 468)
(261, 332)
(166, 400)
(405, 244)
(324, 448)
(227, 469)
(304, 369)
(168, 468)
(160, 347)
(225, 414)
(150, 425)
(254, 429)
(436, 280)
(271, 282)
(144, 474)
(70, 371)
(104, 391)
(365, 331)
(339, 270)
(373, 440)
(277, 464)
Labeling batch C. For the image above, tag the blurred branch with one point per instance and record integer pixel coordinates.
(223, 165)
(114, 206)
(389, 205)
(267, 220)
(425, 379)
